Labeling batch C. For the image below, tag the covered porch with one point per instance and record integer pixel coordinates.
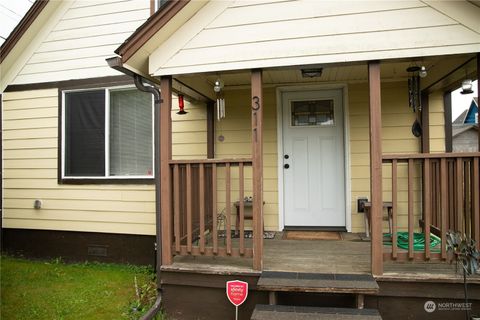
(431, 193)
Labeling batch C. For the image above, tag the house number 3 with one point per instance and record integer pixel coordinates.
(256, 103)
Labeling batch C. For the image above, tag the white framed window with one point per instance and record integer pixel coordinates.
(107, 133)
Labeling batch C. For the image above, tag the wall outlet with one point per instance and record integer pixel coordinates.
(361, 204)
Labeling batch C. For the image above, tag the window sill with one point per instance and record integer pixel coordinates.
(107, 181)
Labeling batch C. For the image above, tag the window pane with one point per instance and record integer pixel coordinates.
(312, 113)
(85, 133)
(130, 133)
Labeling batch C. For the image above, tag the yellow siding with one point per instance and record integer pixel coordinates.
(397, 120)
(30, 160)
(437, 122)
(236, 130)
(86, 33)
(30, 172)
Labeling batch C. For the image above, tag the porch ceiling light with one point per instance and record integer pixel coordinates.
(423, 72)
(466, 86)
(312, 73)
(218, 85)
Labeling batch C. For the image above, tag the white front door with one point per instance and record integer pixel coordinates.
(313, 159)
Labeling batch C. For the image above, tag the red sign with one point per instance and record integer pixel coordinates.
(237, 292)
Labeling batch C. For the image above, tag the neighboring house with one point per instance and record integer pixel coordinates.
(465, 129)
(317, 116)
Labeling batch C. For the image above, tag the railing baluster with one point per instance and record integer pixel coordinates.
(410, 209)
(394, 208)
(459, 193)
(451, 194)
(427, 201)
(228, 209)
(201, 194)
(476, 201)
(214, 208)
(443, 195)
(241, 208)
(189, 208)
(434, 192)
(176, 207)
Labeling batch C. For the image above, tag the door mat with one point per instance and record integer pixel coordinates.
(248, 234)
(311, 235)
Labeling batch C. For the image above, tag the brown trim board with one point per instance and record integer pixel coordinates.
(160, 18)
(447, 113)
(1, 174)
(75, 246)
(21, 28)
(73, 84)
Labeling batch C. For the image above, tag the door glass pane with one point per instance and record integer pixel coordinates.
(312, 113)
(131, 144)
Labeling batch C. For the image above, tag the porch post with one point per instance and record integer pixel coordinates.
(165, 157)
(478, 95)
(376, 166)
(425, 122)
(257, 166)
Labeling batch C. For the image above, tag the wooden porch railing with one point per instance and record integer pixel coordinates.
(442, 193)
(200, 226)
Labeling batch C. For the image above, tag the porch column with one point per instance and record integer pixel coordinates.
(165, 157)
(447, 116)
(376, 166)
(478, 95)
(425, 122)
(257, 166)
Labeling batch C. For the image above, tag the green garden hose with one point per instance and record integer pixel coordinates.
(418, 240)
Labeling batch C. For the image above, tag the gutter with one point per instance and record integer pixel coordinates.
(139, 81)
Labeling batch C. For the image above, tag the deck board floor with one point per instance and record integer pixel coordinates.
(350, 255)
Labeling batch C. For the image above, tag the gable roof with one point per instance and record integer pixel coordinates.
(461, 118)
(21, 28)
(456, 130)
(468, 115)
(234, 35)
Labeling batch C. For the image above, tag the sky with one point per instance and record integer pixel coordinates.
(460, 102)
(11, 11)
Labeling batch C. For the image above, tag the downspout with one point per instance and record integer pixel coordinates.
(158, 234)
(116, 64)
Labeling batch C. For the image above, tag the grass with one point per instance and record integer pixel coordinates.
(55, 290)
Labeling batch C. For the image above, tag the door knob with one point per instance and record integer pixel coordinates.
(286, 166)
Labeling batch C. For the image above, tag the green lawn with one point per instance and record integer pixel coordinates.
(55, 290)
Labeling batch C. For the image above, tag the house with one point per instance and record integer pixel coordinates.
(465, 129)
(307, 107)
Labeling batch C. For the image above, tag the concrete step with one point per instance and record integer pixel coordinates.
(317, 282)
(268, 312)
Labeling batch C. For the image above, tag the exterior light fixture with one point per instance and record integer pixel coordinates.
(312, 73)
(423, 72)
(466, 86)
(218, 85)
(181, 105)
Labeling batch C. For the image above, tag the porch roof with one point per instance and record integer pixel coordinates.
(235, 35)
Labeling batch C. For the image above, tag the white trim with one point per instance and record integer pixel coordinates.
(346, 142)
(107, 132)
(107, 175)
(63, 136)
